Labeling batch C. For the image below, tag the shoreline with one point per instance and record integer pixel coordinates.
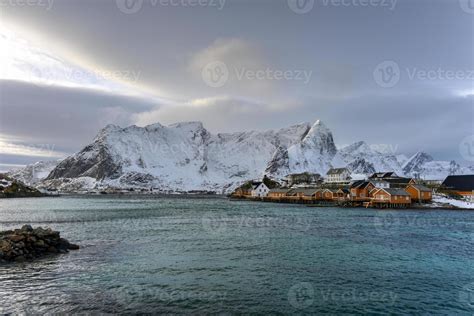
(315, 203)
(307, 203)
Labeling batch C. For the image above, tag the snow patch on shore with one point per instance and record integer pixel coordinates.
(440, 200)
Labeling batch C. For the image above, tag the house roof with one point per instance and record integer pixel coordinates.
(278, 191)
(310, 192)
(392, 191)
(255, 184)
(383, 174)
(376, 181)
(460, 183)
(360, 184)
(337, 171)
(300, 190)
(331, 190)
(398, 180)
(357, 183)
(421, 188)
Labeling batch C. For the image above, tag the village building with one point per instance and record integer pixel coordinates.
(313, 194)
(296, 193)
(400, 182)
(277, 193)
(241, 192)
(329, 195)
(359, 190)
(462, 185)
(259, 189)
(419, 193)
(383, 175)
(303, 178)
(380, 184)
(390, 198)
(338, 175)
(429, 182)
(343, 194)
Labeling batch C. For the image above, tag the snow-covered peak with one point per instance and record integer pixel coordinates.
(321, 137)
(192, 125)
(414, 163)
(185, 156)
(109, 128)
(31, 174)
(154, 126)
(356, 148)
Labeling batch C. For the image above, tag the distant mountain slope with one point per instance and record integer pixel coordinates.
(422, 165)
(181, 157)
(33, 173)
(185, 156)
(12, 188)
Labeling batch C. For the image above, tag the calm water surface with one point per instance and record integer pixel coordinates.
(211, 255)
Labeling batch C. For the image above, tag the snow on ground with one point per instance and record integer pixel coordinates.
(439, 200)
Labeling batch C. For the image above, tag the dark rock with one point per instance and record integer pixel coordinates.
(40, 243)
(17, 238)
(27, 228)
(52, 249)
(73, 247)
(29, 243)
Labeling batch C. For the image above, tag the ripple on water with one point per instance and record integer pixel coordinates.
(143, 255)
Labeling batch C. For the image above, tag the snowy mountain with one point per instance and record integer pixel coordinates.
(33, 173)
(422, 165)
(185, 156)
(361, 158)
(313, 153)
(179, 157)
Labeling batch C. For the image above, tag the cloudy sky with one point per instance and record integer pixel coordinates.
(395, 73)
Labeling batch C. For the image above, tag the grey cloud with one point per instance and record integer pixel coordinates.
(62, 118)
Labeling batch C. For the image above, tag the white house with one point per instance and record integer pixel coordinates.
(259, 189)
(380, 184)
(338, 175)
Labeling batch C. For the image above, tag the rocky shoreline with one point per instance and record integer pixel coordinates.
(28, 243)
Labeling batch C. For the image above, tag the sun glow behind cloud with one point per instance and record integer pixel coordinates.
(23, 61)
(37, 150)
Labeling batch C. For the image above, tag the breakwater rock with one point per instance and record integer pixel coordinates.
(28, 243)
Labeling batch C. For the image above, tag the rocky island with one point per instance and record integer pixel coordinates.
(12, 188)
(28, 243)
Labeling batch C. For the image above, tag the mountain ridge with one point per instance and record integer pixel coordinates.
(185, 156)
